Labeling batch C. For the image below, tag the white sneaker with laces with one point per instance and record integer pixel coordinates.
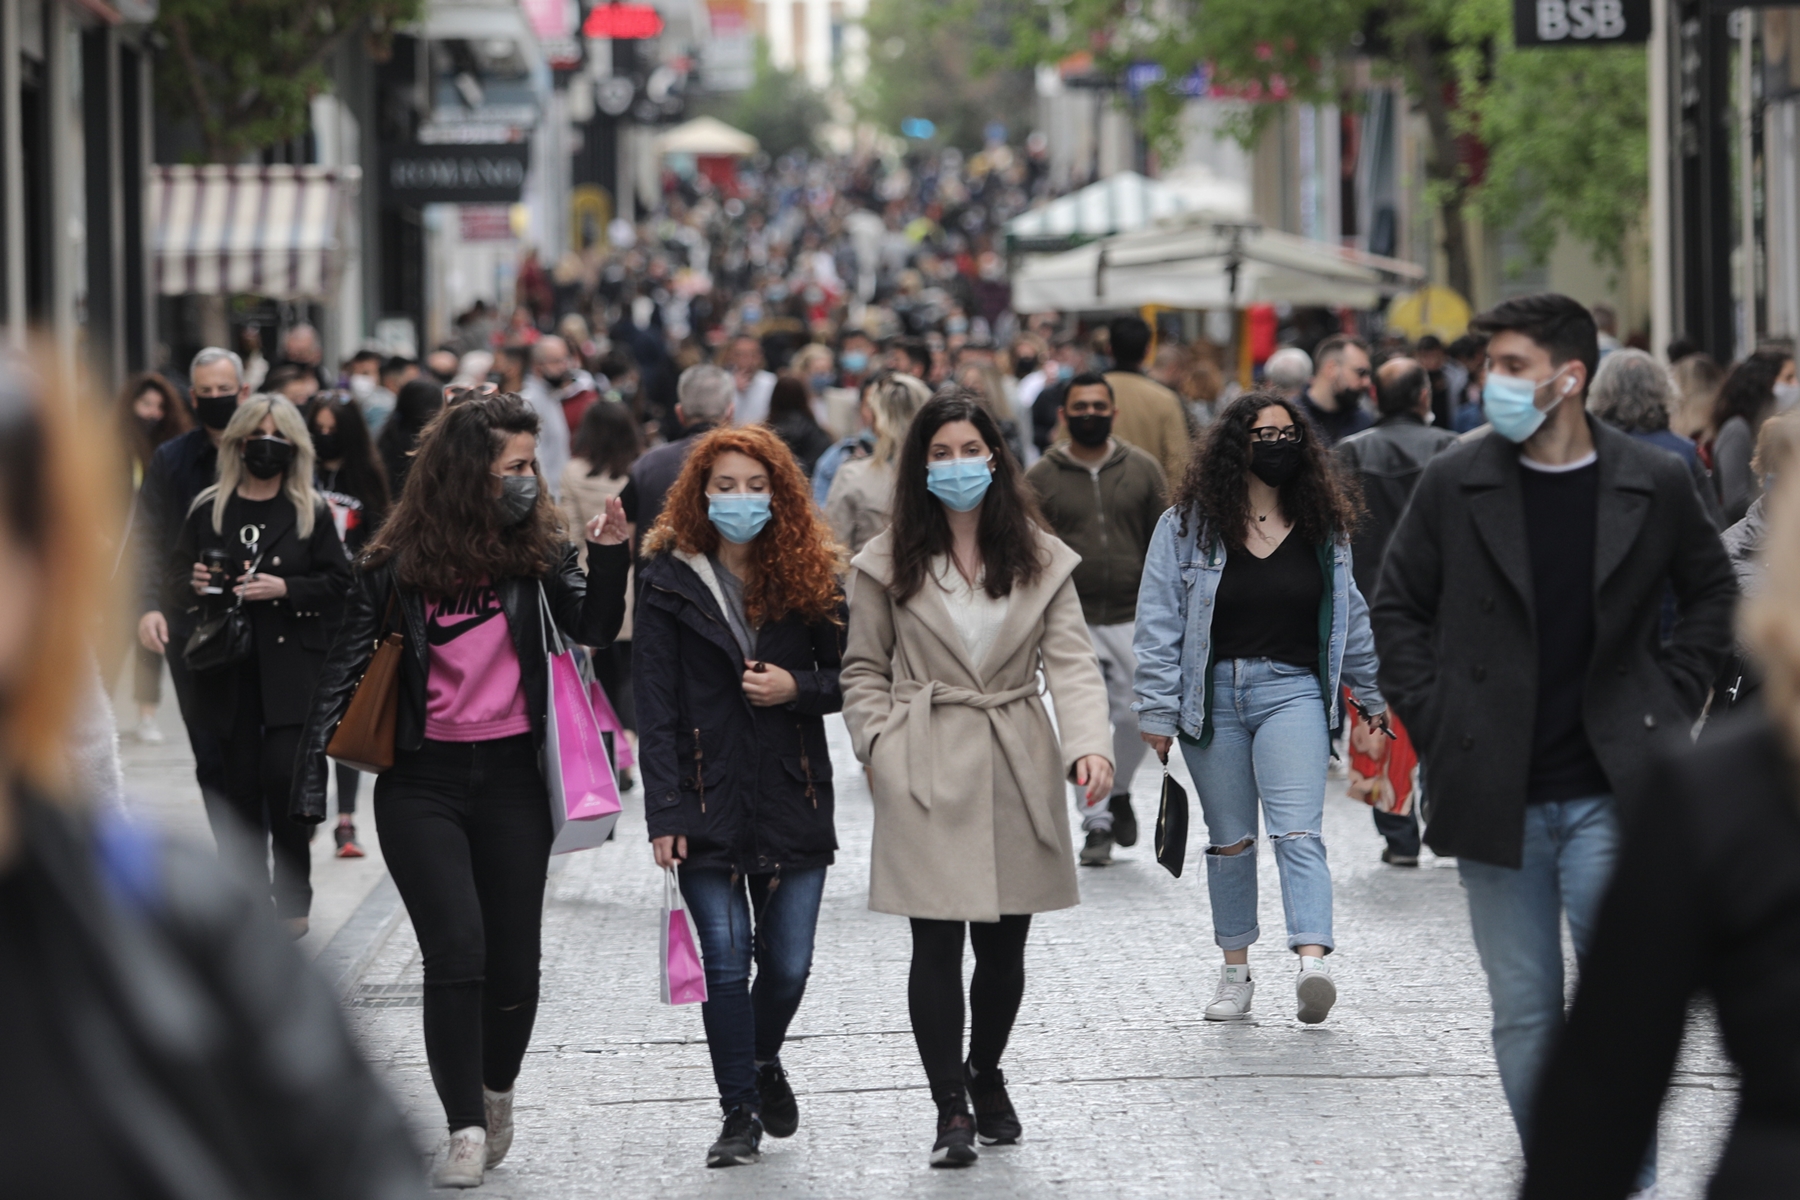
(499, 1124)
(1315, 990)
(462, 1165)
(1236, 989)
(148, 732)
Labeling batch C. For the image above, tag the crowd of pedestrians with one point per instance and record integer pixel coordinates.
(1498, 576)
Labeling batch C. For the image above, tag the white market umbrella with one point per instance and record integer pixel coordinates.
(707, 136)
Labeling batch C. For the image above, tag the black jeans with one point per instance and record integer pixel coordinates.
(934, 996)
(612, 667)
(208, 747)
(348, 779)
(259, 777)
(465, 830)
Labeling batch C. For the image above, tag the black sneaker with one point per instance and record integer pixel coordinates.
(740, 1142)
(996, 1122)
(1097, 852)
(955, 1145)
(780, 1114)
(1394, 858)
(1124, 820)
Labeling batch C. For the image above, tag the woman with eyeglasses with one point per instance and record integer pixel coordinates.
(264, 537)
(955, 611)
(1249, 627)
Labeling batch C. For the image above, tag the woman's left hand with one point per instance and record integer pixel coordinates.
(1095, 773)
(262, 587)
(769, 685)
(609, 528)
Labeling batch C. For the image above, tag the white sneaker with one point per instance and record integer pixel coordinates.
(149, 733)
(1236, 988)
(1315, 989)
(499, 1124)
(462, 1165)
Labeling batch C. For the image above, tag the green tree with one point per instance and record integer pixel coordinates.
(1564, 128)
(245, 72)
(952, 62)
(779, 108)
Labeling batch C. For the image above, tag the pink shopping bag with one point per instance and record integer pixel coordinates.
(609, 723)
(683, 976)
(584, 793)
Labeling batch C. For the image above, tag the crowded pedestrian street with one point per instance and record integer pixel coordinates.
(1125, 1090)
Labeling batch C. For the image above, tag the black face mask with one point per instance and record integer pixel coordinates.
(328, 446)
(557, 380)
(149, 425)
(1348, 399)
(518, 496)
(215, 411)
(266, 458)
(1275, 462)
(1024, 366)
(1090, 430)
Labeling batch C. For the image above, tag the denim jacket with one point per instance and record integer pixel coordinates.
(1173, 640)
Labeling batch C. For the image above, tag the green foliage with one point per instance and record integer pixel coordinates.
(779, 108)
(245, 71)
(952, 62)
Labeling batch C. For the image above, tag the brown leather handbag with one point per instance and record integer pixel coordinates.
(364, 738)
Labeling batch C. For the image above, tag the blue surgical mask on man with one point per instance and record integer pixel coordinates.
(855, 361)
(959, 482)
(738, 516)
(1510, 404)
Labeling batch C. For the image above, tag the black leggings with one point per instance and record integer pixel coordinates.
(612, 667)
(348, 779)
(465, 830)
(259, 776)
(934, 995)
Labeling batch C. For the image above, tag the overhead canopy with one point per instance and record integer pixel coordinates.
(1187, 261)
(266, 231)
(705, 136)
(1119, 203)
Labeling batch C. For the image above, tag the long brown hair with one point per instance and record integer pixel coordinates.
(445, 532)
(795, 559)
(1320, 501)
(1010, 554)
(141, 442)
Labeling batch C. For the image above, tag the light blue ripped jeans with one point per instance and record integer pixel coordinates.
(1269, 741)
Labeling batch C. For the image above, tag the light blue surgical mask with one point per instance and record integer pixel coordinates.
(1510, 405)
(738, 516)
(959, 482)
(855, 361)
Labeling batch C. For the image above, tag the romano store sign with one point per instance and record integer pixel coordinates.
(456, 174)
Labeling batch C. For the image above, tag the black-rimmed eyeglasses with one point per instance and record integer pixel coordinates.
(1279, 433)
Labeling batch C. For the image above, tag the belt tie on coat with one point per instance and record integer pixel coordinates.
(919, 697)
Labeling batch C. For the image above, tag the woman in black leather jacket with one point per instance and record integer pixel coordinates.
(463, 815)
(164, 1037)
(286, 564)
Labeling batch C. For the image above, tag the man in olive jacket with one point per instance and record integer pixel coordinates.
(1518, 622)
(1103, 498)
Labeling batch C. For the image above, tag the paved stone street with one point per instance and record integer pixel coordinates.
(1122, 1088)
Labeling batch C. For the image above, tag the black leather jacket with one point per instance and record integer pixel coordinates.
(216, 1062)
(589, 616)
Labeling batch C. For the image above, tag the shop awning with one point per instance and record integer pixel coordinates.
(707, 136)
(1200, 261)
(1121, 203)
(266, 231)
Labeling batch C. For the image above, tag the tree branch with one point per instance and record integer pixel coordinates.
(209, 121)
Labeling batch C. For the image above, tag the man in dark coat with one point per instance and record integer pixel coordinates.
(706, 393)
(1518, 621)
(1388, 460)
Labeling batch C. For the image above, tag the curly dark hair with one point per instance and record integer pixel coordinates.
(1749, 391)
(1010, 552)
(1320, 500)
(445, 532)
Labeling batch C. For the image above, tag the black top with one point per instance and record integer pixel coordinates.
(1706, 897)
(1269, 607)
(1561, 512)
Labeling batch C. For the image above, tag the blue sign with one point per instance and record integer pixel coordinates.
(917, 127)
(1141, 76)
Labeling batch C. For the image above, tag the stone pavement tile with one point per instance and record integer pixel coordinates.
(1123, 1089)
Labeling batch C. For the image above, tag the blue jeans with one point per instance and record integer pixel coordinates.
(1269, 742)
(1517, 913)
(746, 1025)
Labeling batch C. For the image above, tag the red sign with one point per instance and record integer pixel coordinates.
(628, 22)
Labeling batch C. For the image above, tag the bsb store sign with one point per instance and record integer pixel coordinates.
(1580, 22)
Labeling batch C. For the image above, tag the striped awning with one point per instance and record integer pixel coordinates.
(267, 231)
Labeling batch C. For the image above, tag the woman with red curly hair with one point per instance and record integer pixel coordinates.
(739, 636)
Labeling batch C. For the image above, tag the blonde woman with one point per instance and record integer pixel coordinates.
(264, 537)
(1706, 898)
(863, 491)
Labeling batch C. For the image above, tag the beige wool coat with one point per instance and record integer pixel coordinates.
(964, 764)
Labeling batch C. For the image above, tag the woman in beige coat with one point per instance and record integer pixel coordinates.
(863, 491)
(953, 612)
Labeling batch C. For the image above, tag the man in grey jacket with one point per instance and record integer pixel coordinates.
(1103, 498)
(1388, 460)
(1518, 621)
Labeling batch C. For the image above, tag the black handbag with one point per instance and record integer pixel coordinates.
(1172, 825)
(224, 640)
